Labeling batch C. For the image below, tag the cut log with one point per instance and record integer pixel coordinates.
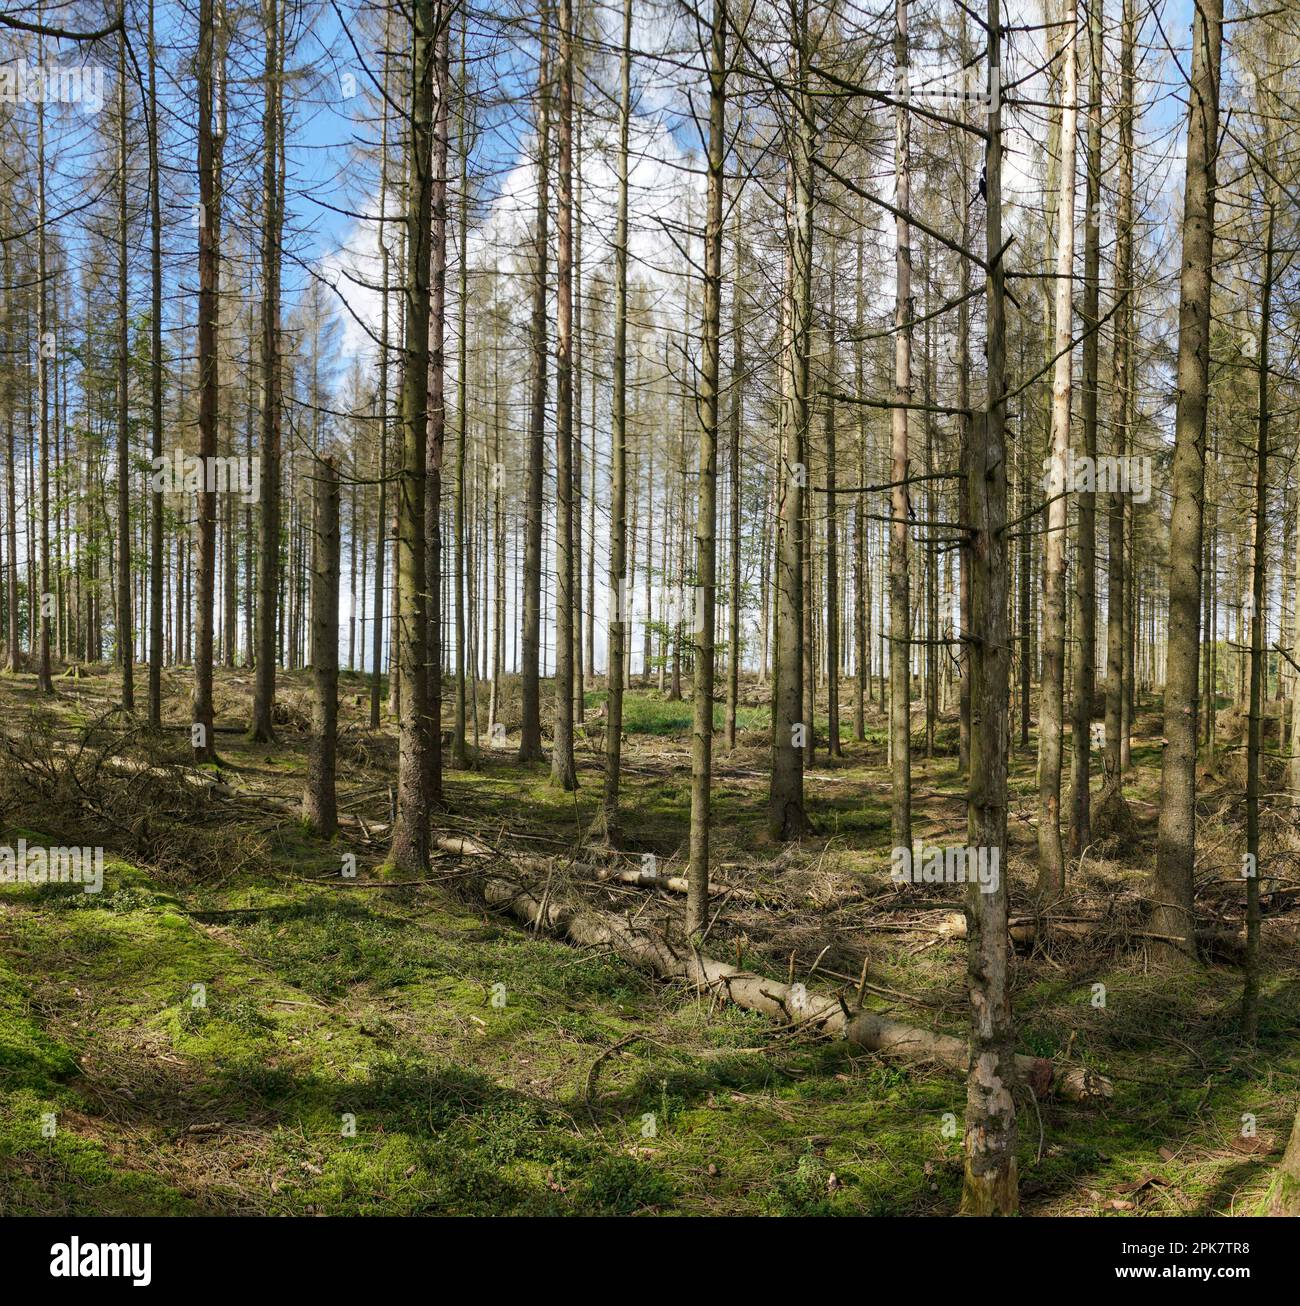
(650, 950)
(461, 844)
(644, 879)
(647, 879)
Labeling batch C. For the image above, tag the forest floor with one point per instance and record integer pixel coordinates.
(360, 1048)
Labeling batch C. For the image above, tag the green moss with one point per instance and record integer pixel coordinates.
(806, 1190)
(622, 1185)
(62, 1173)
(29, 1057)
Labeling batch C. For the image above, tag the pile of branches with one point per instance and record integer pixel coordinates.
(113, 784)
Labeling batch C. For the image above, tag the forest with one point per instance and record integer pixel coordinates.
(650, 607)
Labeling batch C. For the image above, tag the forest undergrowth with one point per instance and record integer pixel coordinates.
(238, 1024)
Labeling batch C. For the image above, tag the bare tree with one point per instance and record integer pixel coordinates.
(268, 551)
(211, 132)
(990, 1185)
(563, 772)
(1051, 857)
(44, 353)
(706, 558)
(436, 427)
(410, 847)
(530, 736)
(381, 515)
(156, 537)
(900, 614)
(736, 423)
(319, 807)
(790, 733)
(1173, 917)
(1259, 557)
(1115, 567)
(1085, 593)
(125, 635)
(619, 581)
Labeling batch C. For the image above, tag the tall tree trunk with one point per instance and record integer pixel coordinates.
(530, 733)
(1172, 885)
(1115, 506)
(990, 1185)
(14, 659)
(736, 424)
(1294, 765)
(410, 848)
(1026, 487)
(790, 733)
(964, 421)
(437, 410)
(395, 614)
(1051, 856)
(268, 541)
(900, 649)
(1085, 583)
(125, 635)
(211, 122)
(706, 559)
(44, 354)
(319, 809)
(563, 772)
(381, 516)
(649, 560)
(833, 746)
(498, 538)
(620, 583)
(930, 557)
(157, 548)
(1258, 664)
(861, 576)
(459, 755)
(575, 519)
(589, 608)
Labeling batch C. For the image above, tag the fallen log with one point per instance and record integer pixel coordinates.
(1024, 931)
(644, 879)
(462, 844)
(649, 949)
(647, 879)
